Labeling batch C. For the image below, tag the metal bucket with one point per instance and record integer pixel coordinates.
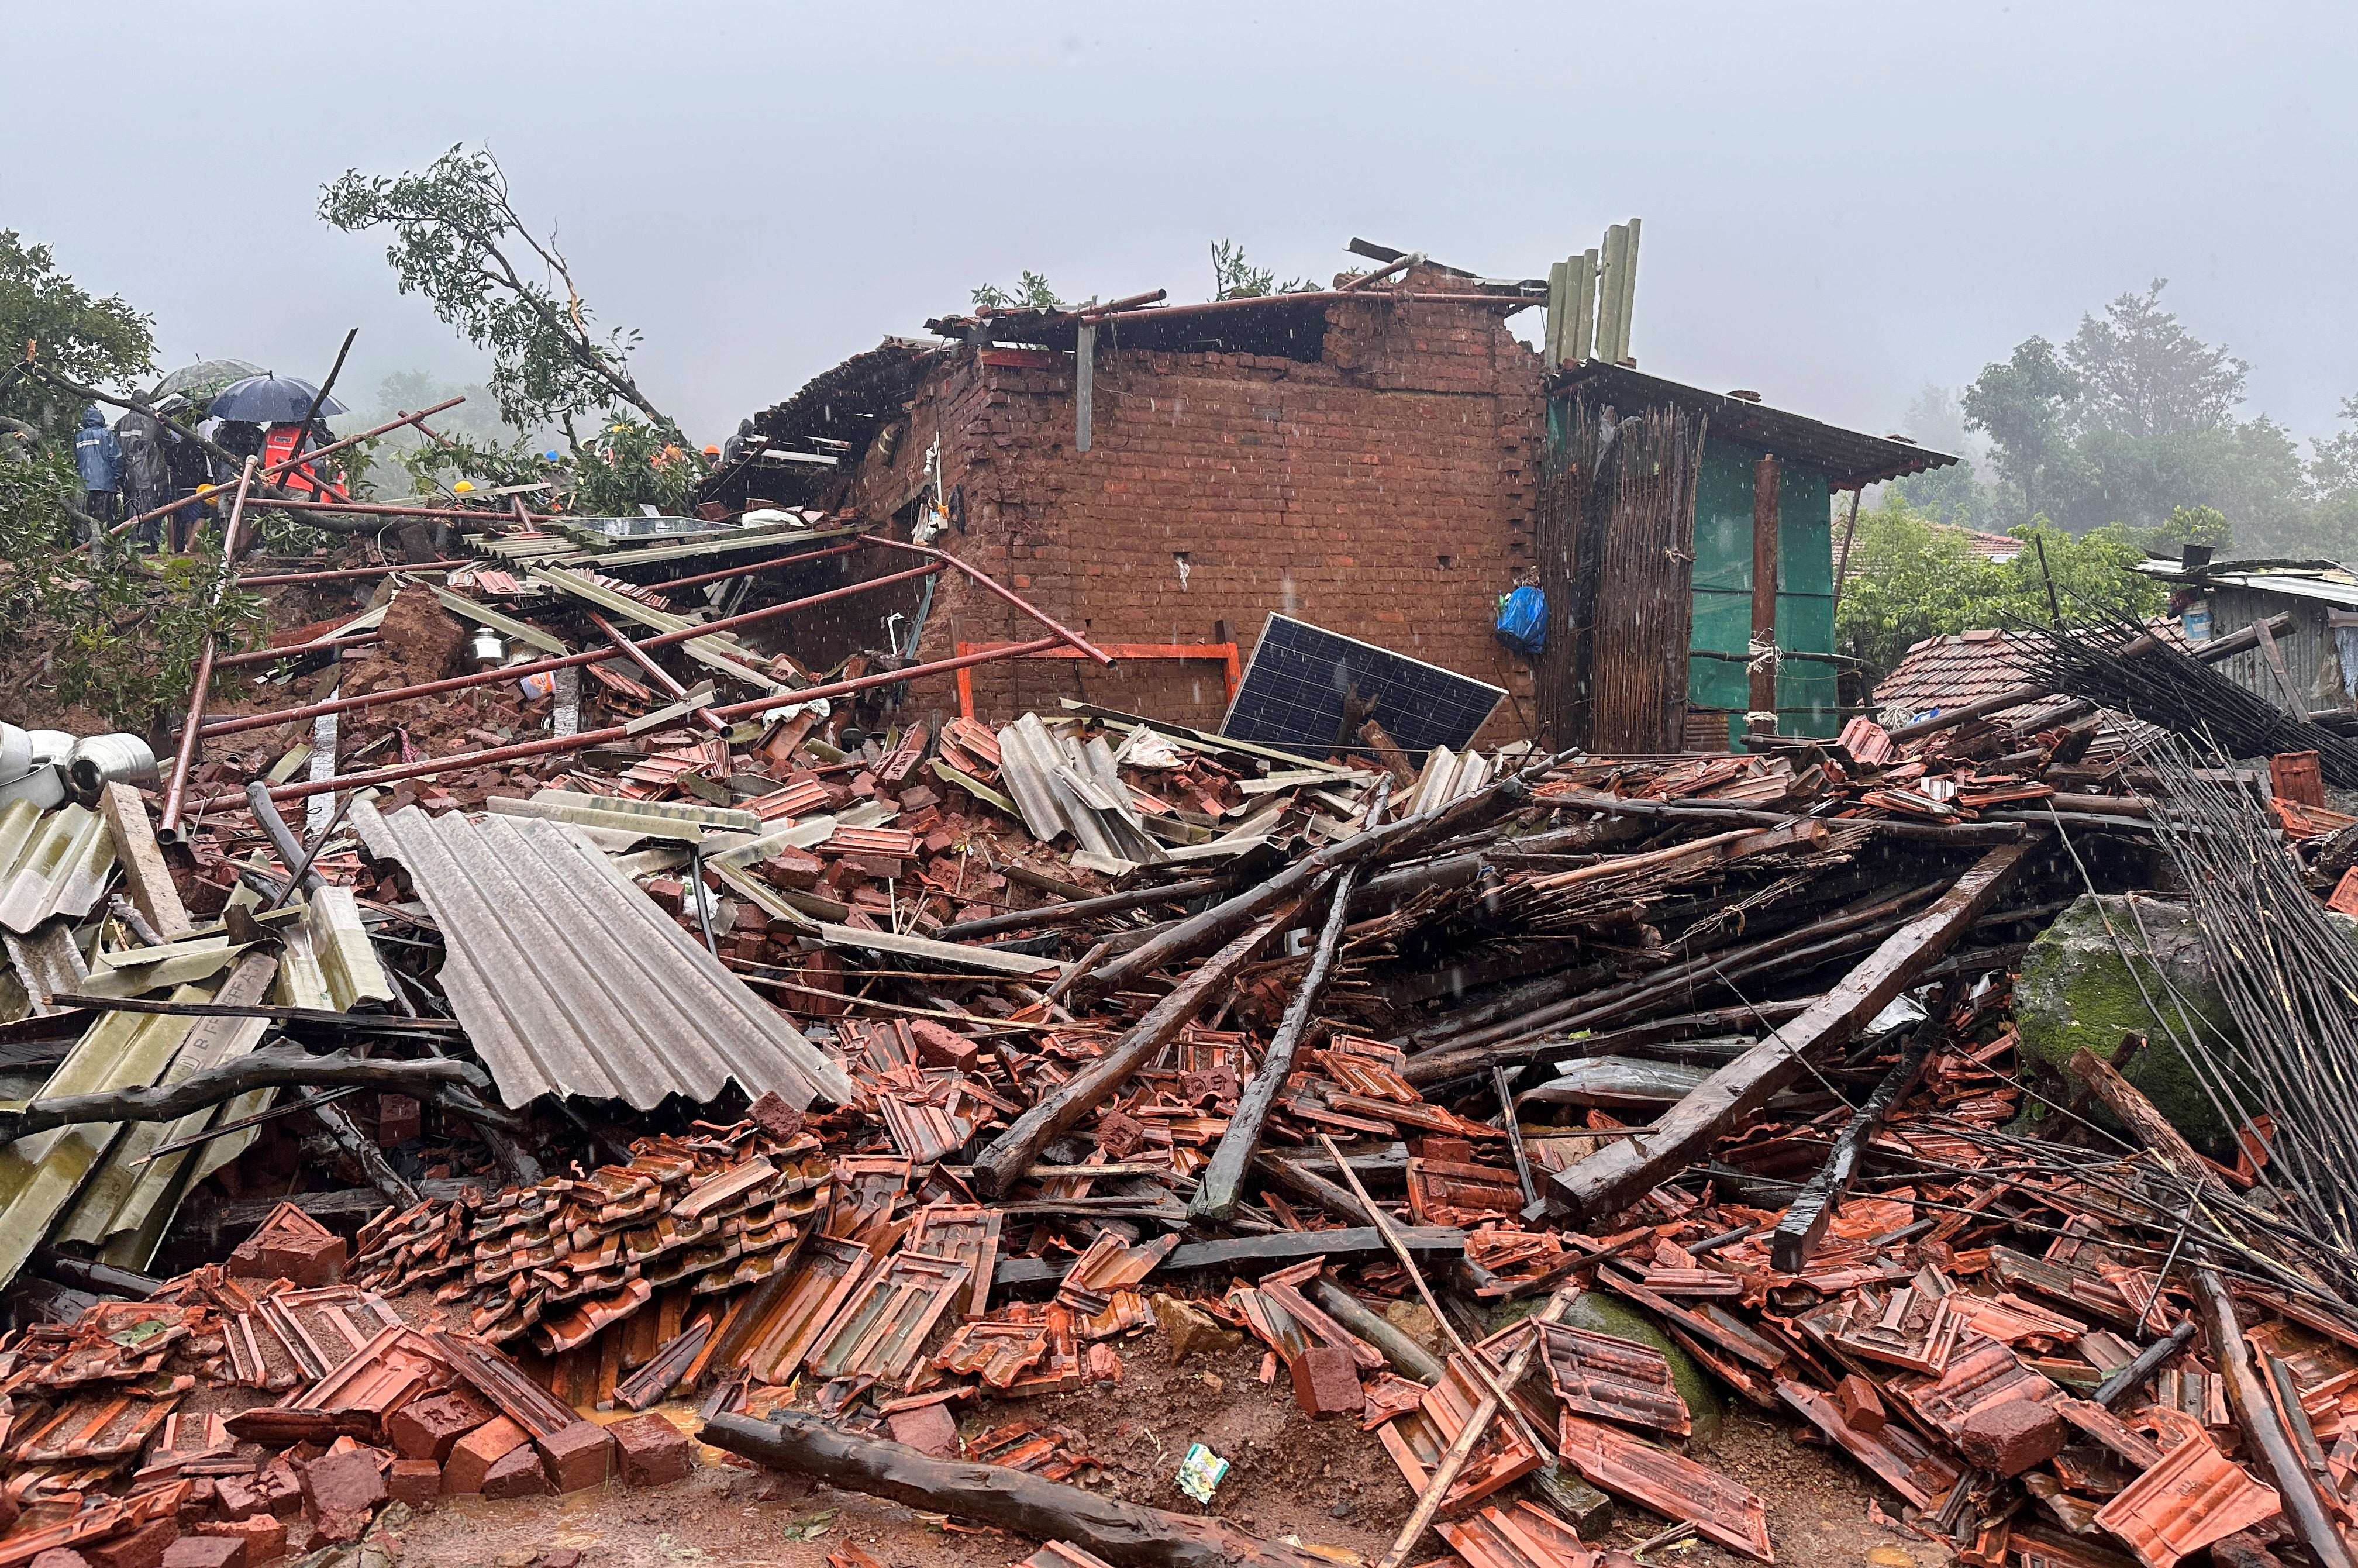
(33, 773)
(98, 761)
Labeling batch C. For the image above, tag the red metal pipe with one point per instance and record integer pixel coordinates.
(566, 661)
(1070, 639)
(344, 574)
(295, 650)
(557, 744)
(176, 787)
(655, 672)
(282, 466)
(386, 509)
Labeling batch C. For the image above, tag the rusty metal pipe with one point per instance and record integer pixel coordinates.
(557, 744)
(346, 573)
(537, 666)
(388, 509)
(655, 672)
(771, 563)
(1070, 639)
(176, 788)
(295, 650)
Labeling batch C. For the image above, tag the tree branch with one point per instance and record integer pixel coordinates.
(275, 1066)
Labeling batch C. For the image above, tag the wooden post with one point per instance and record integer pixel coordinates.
(1762, 719)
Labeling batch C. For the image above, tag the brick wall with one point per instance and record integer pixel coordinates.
(1383, 491)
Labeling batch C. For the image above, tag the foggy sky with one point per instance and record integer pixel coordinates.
(1842, 202)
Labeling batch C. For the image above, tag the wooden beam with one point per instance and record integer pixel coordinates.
(2144, 1123)
(1617, 1175)
(1126, 1535)
(135, 850)
(1004, 1162)
(2264, 1433)
(1762, 719)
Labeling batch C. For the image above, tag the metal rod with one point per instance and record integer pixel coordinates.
(346, 573)
(655, 672)
(176, 787)
(558, 744)
(303, 431)
(1070, 639)
(297, 650)
(560, 662)
(772, 564)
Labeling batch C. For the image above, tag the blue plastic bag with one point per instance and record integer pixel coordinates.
(1522, 621)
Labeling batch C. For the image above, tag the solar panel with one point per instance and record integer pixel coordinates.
(1293, 690)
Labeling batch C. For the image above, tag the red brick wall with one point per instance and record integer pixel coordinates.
(1383, 493)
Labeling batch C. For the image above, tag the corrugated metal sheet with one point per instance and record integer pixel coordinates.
(570, 980)
(717, 652)
(330, 962)
(50, 864)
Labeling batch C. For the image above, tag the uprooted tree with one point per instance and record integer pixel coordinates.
(459, 241)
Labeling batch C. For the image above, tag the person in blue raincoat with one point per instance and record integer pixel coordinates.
(99, 456)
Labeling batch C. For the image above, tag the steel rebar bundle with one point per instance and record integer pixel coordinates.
(2290, 980)
(2126, 667)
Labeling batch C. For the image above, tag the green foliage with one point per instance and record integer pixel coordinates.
(629, 464)
(2141, 373)
(2194, 525)
(458, 240)
(1031, 293)
(487, 465)
(1233, 277)
(1911, 578)
(2022, 405)
(95, 342)
(1955, 494)
(118, 639)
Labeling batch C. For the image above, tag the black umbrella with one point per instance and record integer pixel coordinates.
(270, 400)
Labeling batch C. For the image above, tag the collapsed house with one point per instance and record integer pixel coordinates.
(1163, 478)
(673, 1017)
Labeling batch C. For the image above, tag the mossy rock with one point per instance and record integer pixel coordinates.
(2076, 992)
(1602, 1313)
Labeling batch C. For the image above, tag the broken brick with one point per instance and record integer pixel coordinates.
(472, 1457)
(2011, 1435)
(429, 1427)
(415, 1481)
(937, 1047)
(1861, 1406)
(60, 1557)
(399, 1118)
(518, 1475)
(205, 1551)
(142, 1547)
(265, 1536)
(578, 1456)
(928, 1429)
(652, 1451)
(1327, 1382)
(344, 1490)
(773, 1115)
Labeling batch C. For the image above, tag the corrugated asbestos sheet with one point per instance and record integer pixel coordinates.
(570, 980)
(50, 864)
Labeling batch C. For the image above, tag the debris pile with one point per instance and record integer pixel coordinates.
(849, 1087)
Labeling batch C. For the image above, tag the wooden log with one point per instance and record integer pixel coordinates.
(1223, 1180)
(1002, 1163)
(1079, 910)
(1617, 1175)
(2131, 1378)
(1303, 1181)
(2264, 1433)
(273, 1067)
(1448, 1062)
(1199, 933)
(1274, 1250)
(144, 871)
(1400, 1348)
(2144, 1123)
(1124, 1534)
(1815, 1206)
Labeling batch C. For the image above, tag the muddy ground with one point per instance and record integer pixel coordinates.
(1326, 1483)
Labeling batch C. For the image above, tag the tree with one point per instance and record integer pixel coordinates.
(2205, 525)
(100, 341)
(1233, 277)
(2022, 405)
(2142, 375)
(1911, 578)
(459, 241)
(1031, 293)
(1955, 493)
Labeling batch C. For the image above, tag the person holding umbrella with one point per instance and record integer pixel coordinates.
(282, 403)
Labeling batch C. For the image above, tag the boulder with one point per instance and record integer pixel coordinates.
(2077, 992)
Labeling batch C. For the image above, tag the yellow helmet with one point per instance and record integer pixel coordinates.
(463, 487)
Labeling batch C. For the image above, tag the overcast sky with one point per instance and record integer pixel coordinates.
(1842, 202)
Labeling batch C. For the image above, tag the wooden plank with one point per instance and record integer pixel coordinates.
(2275, 656)
(1617, 1175)
(135, 850)
(1278, 1247)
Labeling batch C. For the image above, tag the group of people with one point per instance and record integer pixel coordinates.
(141, 465)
